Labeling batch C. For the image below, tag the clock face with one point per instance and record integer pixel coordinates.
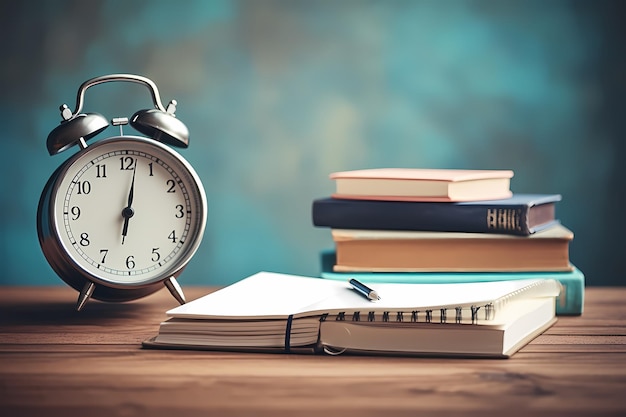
(129, 211)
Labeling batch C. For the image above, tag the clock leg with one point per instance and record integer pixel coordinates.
(175, 289)
(84, 295)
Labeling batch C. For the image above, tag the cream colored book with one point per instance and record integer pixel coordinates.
(418, 184)
(289, 313)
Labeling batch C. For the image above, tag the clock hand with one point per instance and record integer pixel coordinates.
(128, 212)
(131, 193)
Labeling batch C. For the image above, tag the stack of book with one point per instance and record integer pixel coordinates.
(445, 226)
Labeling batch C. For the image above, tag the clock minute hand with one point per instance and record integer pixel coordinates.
(128, 212)
(131, 193)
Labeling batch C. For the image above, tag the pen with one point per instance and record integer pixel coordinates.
(369, 293)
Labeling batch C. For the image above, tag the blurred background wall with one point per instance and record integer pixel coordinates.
(278, 94)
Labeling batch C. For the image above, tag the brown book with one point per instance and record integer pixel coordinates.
(416, 184)
(408, 251)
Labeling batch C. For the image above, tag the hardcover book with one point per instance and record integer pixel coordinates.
(522, 214)
(570, 301)
(288, 313)
(409, 251)
(414, 184)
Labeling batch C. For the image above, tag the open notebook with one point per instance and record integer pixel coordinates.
(279, 312)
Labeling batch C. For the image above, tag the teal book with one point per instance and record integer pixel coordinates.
(569, 303)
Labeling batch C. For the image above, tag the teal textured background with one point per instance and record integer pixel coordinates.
(278, 94)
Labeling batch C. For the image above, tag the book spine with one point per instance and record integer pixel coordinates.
(436, 217)
(571, 301)
(507, 220)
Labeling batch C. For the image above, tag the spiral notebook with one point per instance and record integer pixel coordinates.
(288, 313)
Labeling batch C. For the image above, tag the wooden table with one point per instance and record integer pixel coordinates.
(57, 362)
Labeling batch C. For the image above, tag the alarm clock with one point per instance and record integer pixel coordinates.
(123, 216)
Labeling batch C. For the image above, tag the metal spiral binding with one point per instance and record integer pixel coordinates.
(477, 312)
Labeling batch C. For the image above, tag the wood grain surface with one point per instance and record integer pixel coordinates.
(58, 362)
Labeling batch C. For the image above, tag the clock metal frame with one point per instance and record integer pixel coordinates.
(76, 128)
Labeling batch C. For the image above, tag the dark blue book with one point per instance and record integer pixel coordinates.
(522, 214)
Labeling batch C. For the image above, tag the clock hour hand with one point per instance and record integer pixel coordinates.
(128, 212)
